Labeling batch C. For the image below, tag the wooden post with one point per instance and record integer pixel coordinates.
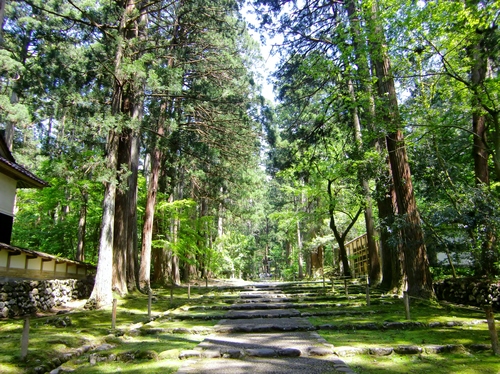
(493, 331)
(367, 291)
(346, 286)
(150, 296)
(25, 338)
(189, 291)
(113, 315)
(171, 293)
(206, 282)
(406, 300)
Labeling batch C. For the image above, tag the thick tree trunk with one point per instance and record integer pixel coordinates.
(102, 294)
(127, 97)
(416, 263)
(480, 151)
(392, 252)
(375, 271)
(480, 148)
(121, 230)
(391, 247)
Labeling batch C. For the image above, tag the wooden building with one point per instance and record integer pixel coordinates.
(20, 263)
(12, 177)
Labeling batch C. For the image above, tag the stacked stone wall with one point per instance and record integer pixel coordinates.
(19, 298)
(469, 292)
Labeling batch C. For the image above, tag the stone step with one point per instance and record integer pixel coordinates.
(262, 325)
(264, 365)
(259, 313)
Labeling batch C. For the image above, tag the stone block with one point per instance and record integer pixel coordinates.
(381, 351)
(408, 349)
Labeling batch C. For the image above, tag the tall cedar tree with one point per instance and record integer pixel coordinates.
(416, 264)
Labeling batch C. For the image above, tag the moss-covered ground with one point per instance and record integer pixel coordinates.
(179, 323)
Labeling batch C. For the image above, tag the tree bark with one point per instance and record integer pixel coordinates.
(102, 294)
(2, 14)
(82, 224)
(121, 230)
(132, 239)
(147, 232)
(340, 237)
(124, 100)
(373, 256)
(392, 252)
(361, 61)
(299, 252)
(480, 147)
(416, 263)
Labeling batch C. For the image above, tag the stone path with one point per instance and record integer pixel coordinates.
(263, 333)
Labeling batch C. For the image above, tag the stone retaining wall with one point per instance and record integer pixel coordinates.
(469, 292)
(18, 298)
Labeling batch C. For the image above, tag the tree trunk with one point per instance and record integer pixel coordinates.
(82, 224)
(102, 294)
(121, 230)
(340, 237)
(132, 239)
(299, 254)
(373, 256)
(495, 121)
(361, 61)
(147, 232)
(161, 267)
(480, 148)
(392, 253)
(416, 263)
(174, 259)
(2, 14)
(288, 253)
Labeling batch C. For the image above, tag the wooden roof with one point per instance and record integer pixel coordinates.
(43, 255)
(9, 167)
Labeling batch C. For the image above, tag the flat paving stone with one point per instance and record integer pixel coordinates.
(298, 340)
(259, 313)
(297, 365)
(264, 325)
(261, 352)
(320, 351)
(255, 306)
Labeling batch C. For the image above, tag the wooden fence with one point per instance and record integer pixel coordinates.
(357, 254)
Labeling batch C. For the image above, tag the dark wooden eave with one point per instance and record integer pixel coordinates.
(14, 251)
(9, 167)
(24, 178)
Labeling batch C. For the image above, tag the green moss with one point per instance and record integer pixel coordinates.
(423, 364)
(465, 335)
